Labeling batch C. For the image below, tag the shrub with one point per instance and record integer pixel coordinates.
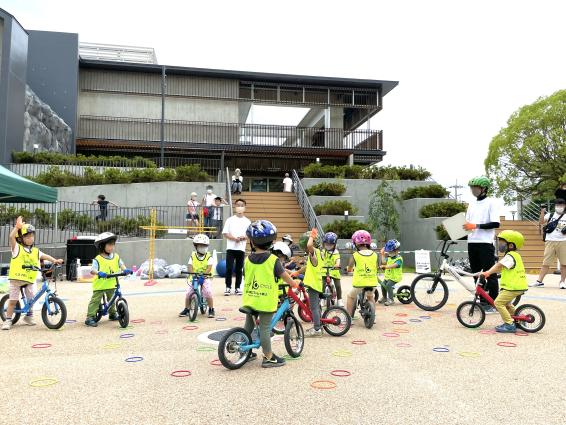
(57, 158)
(391, 172)
(441, 233)
(10, 214)
(335, 208)
(56, 177)
(42, 218)
(442, 209)
(83, 222)
(383, 216)
(430, 191)
(65, 218)
(326, 189)
(336, 171)
(191, 173)
(345, 228)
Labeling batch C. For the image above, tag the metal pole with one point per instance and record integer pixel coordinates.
(162, 152)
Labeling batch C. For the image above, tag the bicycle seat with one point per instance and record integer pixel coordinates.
(248, 310)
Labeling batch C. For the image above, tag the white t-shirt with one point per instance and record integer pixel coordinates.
(508, 261)
(482, 212)
(16, 251)
(557, 235)
(287, 185)
(209, 199)
(236, 226)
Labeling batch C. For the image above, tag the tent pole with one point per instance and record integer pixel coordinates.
(56, 213)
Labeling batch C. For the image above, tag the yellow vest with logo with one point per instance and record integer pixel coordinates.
(24, 258)
(108, 266)
(313, 275)
(329, 260)
(365, 270)
(260, 288)
(514, 279)
(200, 266)
(396, 274)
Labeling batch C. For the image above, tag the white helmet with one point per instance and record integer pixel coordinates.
(201, 240)
(103, 238)
(283, 248)
(373, 246)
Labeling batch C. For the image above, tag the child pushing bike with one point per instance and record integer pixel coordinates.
(331, 258)
(392, 263)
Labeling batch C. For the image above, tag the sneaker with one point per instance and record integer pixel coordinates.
(253, 356)
(312, 332)
(382, 300)
(227, 292)
(237, 291)
(210, 312)
(340, 303)
(490, 310)
(7, 325)
(184, 313)
(113, 317)
(562, 285)
(28, 320)
(506, 328)
(274, 361)
(389, 302)
(537, 283)
(91, 322)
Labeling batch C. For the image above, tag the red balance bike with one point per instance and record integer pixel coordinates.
(471, 314)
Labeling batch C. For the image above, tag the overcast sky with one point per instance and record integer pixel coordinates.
(463, 66)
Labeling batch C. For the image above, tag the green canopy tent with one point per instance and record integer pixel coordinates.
(15, 188)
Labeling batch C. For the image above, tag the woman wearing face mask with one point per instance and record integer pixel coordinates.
(237, 182)
(192, 212)
(555, 242)
(235, 233)
(482, 218)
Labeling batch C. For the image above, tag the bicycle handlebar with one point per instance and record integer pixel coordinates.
(116, 275)
(196, 274)
(44, 270)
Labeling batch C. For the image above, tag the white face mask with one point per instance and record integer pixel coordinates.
(329, 247)
(202, 249)
(559, 210)
(240, 210)
(209, 192)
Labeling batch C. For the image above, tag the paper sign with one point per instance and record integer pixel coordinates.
(422, 261)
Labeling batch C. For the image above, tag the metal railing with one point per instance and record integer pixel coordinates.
(304, 203)
(531, 210)
(229, 190)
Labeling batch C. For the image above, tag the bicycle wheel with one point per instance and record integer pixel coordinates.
(470, 314)
(57, 314)
(279, 328)
(193, 307)
(4, 307)
(536, 316)
(294, 337)
(369, 317)
(404, 294)
(342, 321)
(229, 352)
(429, 292)
(123, 312)
(202, 304)
(304, 298)
(327, 300)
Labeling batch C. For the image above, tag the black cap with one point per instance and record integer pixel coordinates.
(559, 201)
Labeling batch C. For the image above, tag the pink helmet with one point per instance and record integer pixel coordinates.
(361, 237)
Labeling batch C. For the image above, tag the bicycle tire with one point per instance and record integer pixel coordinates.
(436, 281)
(228, 345)
(404, 294)
(193, 307)
(474, 310)
(60, 309)
(369, 317)
(294, 337)
(521, 325)
(344, 324)
(3, 309)
(327, 297)
(123, 312)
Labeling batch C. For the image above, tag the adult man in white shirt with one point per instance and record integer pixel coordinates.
(482, 218)
(235, 233)
(287, 183)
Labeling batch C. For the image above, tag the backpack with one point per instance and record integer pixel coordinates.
(550, 227)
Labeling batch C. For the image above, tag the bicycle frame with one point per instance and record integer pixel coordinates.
(197, 281)
(481, 293)
(457, 274)
(117, 293)
(305, 306)
(28, 304)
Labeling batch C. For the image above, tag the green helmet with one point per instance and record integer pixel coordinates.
(481, 181)
(305, 238)
(514, 237)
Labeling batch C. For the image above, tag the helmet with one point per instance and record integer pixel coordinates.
(262, 232)
(102, 239)
(26, 229)
(287, 237)
(349, 245)
(373, 246)
(361, 237)
(201, 240)
(392, 245)
(481, 181)
(514, 237)
(283, 248)
(330, 237)
(305, 238)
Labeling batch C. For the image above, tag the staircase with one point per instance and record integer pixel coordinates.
(533, 250)
(280, 208)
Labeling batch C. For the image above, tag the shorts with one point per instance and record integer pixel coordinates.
(16, 285)
(354, 292)
(206, 289)
(554, 250)
(191, 217)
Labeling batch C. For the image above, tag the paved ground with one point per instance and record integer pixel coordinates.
(398, 380)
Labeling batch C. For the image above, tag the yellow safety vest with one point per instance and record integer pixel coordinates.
(108, 266)
(396, 274)
(24, 258)
(514, 279)
(365, 270)
(313, 275)
(329, 260)
(261, 291)
(200, 266)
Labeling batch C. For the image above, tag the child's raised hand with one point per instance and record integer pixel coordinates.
(59, 261)
(314, 233)
(19, 222)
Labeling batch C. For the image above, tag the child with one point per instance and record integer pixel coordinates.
(200, 262)
(392, 263)
(24, 253)
(513, 280)
(331, 258)
(364, 261)
(261, 290)
(105, 263)
(282, 251)
(216, 217)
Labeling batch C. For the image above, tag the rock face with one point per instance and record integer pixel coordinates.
(42, 126)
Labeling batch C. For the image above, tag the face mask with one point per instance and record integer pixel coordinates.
(502, 247)
(329, 247)
(209, 192)
(559, 210)
(240, 210)
(202, 249)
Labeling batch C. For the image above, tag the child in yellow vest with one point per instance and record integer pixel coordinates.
(200, 262)
(105, 263)
(262, 269)
(513, 282)
(364, 261)
(24, 253)
(392, 263)
(331, 258)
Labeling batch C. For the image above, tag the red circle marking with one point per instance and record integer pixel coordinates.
(401, 331)
(239, 318)
(181, 373)
(401, 314)
(341, 373)
(216, 362)
(137, 321)
(359, 342)
(506, 344)
(391, 334)
(521, 334)
(227, 309)
(487, 332)
(399, 322)
(41, 345)
(403, 345)
(190, 327)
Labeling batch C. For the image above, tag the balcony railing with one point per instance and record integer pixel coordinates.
(229, 135)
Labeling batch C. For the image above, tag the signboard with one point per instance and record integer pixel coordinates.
(422, 261)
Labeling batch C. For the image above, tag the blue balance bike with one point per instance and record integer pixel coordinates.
(236, 345)
(118, 299)
(53, 312)
(197, 301)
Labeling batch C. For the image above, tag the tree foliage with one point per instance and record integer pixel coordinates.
(383, 217)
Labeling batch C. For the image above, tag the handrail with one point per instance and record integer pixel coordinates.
(229, 190)
(304, 203)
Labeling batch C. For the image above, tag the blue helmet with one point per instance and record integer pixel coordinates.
(392, 245)
(262, 232)
(330, 238)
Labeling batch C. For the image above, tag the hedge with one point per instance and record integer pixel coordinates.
(57, 158)
(388, 172)
(441, 233)
(430, 191)
(326, 189)
(345, 228)
(442, 209)
(335, 208)
(333, 171)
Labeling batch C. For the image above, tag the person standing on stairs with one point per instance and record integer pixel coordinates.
(235, 233)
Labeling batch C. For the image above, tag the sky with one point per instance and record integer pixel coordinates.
(463, 66)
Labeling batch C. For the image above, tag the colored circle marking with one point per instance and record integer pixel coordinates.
(181, 373)
(506, 344)
(323, 385)
(190, 327)
(41, 345)
(134, 359)
(341, 373)
(43, 382)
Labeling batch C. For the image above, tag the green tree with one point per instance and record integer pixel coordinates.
(383, 217)
(528, 157)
